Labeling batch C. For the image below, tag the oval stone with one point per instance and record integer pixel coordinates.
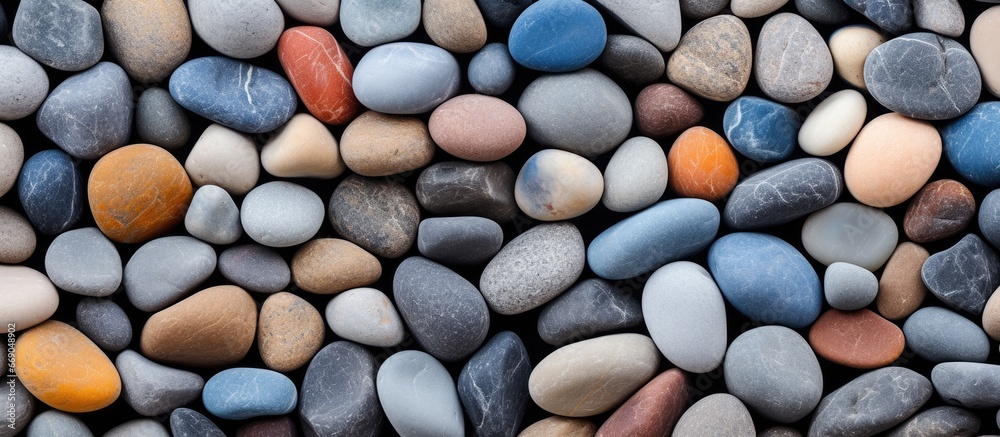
(557, 185)
(833, 124)
(713, 59)
(255, 268)
(477, 128)
(891, 16)
(702, 165)
(28, 296)
(760, 129)
(454, 25)
(226, 158)
(557, 36)
(939, 210)
(939, 335)
(289, 332)
(793, 63)
(964, 275)
(418, 396)
(377, 144)
(952, 421)
(967, 144)
(241, 393)
(153, 389)
(590, 307)
(783, 193)
(371, 23)
(900, 288)
(662, 110)
(465, 188)
(493, 385)
(636, 176)
(281, 214)
(380, 215)
(332, 265)
(821, 12)
(462, 241)
(304, 147)
(858, 339)
(653, 410)
(715, 415)
(338, 394)
(320, 72)
(50, 189)
(149, 39)
(422, 76)
(62, 34)
(873, 171)
(19, 401)
(144, 427)
(852, 233)
(492, 70)
(991, 316)
(984, 32)
(969, 385)
(11, 152)
(632, 59)
(849, 287)
(871, 403)
(105, 323)
(160, 120)
(24, 84)
(164, 270)
(561, 426)
(17, 238)
(366, 316)
(58, 423)
(850, 47)
(239, 29)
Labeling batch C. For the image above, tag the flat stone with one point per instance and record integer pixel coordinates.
(561, 426)
(754, 9)
(255, 268)
(702, 165)
(460, 241)
(477, 128)
(632, 59)
(54, 423)
(331, 265)
(185, 422)
(11, 152)
(702, 9)
(653, 410)
(28, 296)
(289, 332)
(900, 288)
(785, 192)
(871, 403)
(852, 233)
(858, 339)
(872, 171)
(558, 185)
(90, 113)
(282, 426)
(558, 36)
(662, 110)
(24, 84)
(713, 59)
(714, 415)
(833, 124)
(793, 63)
(454, 25)
(377, 144)
(379, 215)
(241, 393)
(762, 130)
(241, 29)
(465, 188)
(366, 316)
(849, 287)
(304, 147)
(985, 29)
(23, 405)
(823, 11)
(143, 427)
(939, 335)
(338, 394)
(281, 214)
(319, 70)
(149, 39)
(969, 385)
(104, 323)
(153, 389)
(165, 270)
(493, 385)
(502, 13)
(492, 70)
(213, 216)
(964, 275)
(850, 47)
(226, 158)
(406, 78)
(939, 210)
(160, 120)
(62, 34)
(17, 238)
(371, 23)
(944, 17)
(951, 421)
(891, 15)
(636, 176)
(967, 144)
(419, 396)
(50, 189)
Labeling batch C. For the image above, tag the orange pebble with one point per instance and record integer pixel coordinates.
(701, 164)
(320, 72)
(63, 368)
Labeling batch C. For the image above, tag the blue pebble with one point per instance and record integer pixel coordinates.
(939, 335)
(558, 36)
(233, 93)
(406, 78)
(242, 392)
(970, 144)
(766, 279)
(51, 190)
(760, 129)
(491, 70)
(989, 218)
(665, 232)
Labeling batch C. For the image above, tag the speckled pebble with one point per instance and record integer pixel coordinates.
(255, 268)
(105, 323)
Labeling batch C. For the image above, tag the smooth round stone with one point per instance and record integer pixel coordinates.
(984, 32)
(665, 232)
(239, 29)
(702, 9)
(533, 268)
(28, 296)
(12, 153)
(418, 396)
(658, 22)
(591, 307)
(593, 376)
(714, 415)
(320, 72)
(315, 12)
(225, 317)
(493, 385)
(785, 192)
(755, 8)
(460, 241)
(477, 128)
(406, 78)
(833, 124)
(185, 422)
(713, 59)
(64, 369)
(561, 426)
(331, 265)
(105, 323)
(636, 176)
(255, 268)
(900, 288)
(281, 214)
(823, 12)
(53, 423)
(241, 393)
(149, 39)
(939, 210)
(951, 421)
(281, 426)
(558, 36)
(379, 215)
(850, 47)
(702, 165)
(62, 34)
(964, 275)
(377, 144)
(662, 110)
(583, 112)
(967, 144)
(686, 316)
(852, 233)
(213, 216)
(558, 185)
(492, 70)
(23, 84)
(465, 188)
(766, 279)
(873, 171)
(892, 17)
(858, 339)
(939, 335)
(370, 23)
(454, 25)
(871, 403)
(991, 316)
(923, 75)
(289, 332)
(302, 148)
(944, 17)
(849, 287)
(762, 130)
(50, 189)
(989, 218)
(160, 120)
(338, 393)
(90, 113)
(632, 59)
(164, 270)
(143, 427)
(653, 410)
(225, 158)
(366, 316)
(969, 385)
(153, 389)
(759, 363)
(793, 63)
(17, 238)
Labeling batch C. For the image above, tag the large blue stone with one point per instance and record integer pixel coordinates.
(970, 144)
(51, 191)
(406, 78)
(242, 392)
(760, 129)
(557, 36)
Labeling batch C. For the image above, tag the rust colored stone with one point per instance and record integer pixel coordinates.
(701, 164)
(939, 210)
(320, 72)
(900, 289)
(331, 265)
(652, 411)
(860, 339)
(662, 110)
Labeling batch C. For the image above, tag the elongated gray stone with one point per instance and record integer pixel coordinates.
(255, 268)
(419, 396)
(138, 427)
(153, 389)
(164, 270)
(23, 404)
(589, 308)
(466, 188)
(939, 335)
(686, 316)
(493, 385)
(871, 403)
(783, 193)
(462, 241)
(964, 275)
(893, 16)
(939, 421)
(969, 385)
(823, 11)
(632, 59)
(338, 394)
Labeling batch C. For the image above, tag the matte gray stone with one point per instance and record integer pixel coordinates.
(62, 34)
(373, 22)
(943, 17)
(939, 335)
(893, 16)
(657, 21)
(783, 193)
(792, 63)
(281, 214)
(153, 389)
(85, 262)
(55, 423)
(23, 84)
(377, 214)
(701, 9)
(871, 403)
(105, 323)
(138, 428)
(23, 404)
(493, 385)
(165, 270)
(338, 395)
(492, 69)
(849, 287)
(213, 217)
(589, 308)
(160, 120)
(237, 28)
(686, 316)
(502, 13)
(716, 415)
(17, 237)
(460, 241)
(939, 422)
(406, 78)
(636, 175)
(255, 268)
(969, 385)
(964, 275)
(466, 188)
(823, 11)
(185, 422)
(632, 59)
(780, 431)
(419, 397)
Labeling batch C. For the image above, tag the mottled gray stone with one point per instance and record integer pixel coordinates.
(493, 385)
(17, 237)
(969, 385)
(823, 11)
(943, 17)
(281, 214)
(462, 241)
(138, 428)
(779, 431)
(492, 69)
(783, 193)
(964, 275)
(701, 9)
(237, 28)
(419, 397)
(12, 153)
(686, 316)
(591, 307)
(160, 120)
(939, 422)
(657, 21)
(84, 261)
(716, 415)
(63, 34)
(373, 22)
(152, 389)
(255, 268)
(466, 188)
(55, 423)
(893, 16)
(185, 422)
(406, 78)
(939, 335)
(23, 404)
(849, 287)
(164, 270)
(792, 63)
(377, 214)
(23, 84)
(714, 59)
(338, 395)
(632, 59)
(871, 403)
(213, 217)
(104, 322)
(636, 176)
(502, 13)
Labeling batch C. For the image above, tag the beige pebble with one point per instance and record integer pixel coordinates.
(226, 158)
(900, 289)
(28, 297)
(332, 265)
(850, 47)
(991, 316)
(560, 426)
(891, 159)
(755, 8)
(376, 144)
(367, 316)
(303, 148)
(17, 237)
(455, 25)
(983, 39)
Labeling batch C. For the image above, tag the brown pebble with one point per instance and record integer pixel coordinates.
(149, 38)
(477, 127)
(455, 25)
(900, 289)
(651, 411)
(289, 333)
(991, 316)
(331, 265)
(662, 110)
(560, 426)
(377, 144)
(17, 237)
(939, 210)
(282, 426)
(859, 339)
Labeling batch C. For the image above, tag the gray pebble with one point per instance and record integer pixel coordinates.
(85, 262)
(461, 241)
(590, 308)
(160, 120)
(255, 268)
(893, 16)
(492, 70)
(17, 237)
(23, 84)
(656, 21)
(964, 275)
(237, 28)
(105, 323)
(823, 11)
(686, 316)
(63, 34)
(969, 385)
(406, 78)
(166, 269)
(792, 62)
(632, 59)
(373, 22)
(213, 216)
(377, 214)
(466, 188)
(779, 431)
(55, 423)
(636, 176)
(338, 395)
(849, 287)
(23, 404)
(419, 397)
(943, 17)
(939, 335)
(138, 428)
(12, 153)
(701, 9)
(719, 414)
(871, 403)
(185, 422)
(783, 193)
(281, 214)
(939, 422)
(493, 385)
(152, 389)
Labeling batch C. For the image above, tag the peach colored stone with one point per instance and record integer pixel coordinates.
(303, 148)
(940, 209)
(149, 38)
(850, 46)
(332, 265)
(701, 164)
(663, 109)
(320, 72)
(900, 289)
(991, 316)
(652, 411)
(983, 37)
(226, 158)
(377, 144)
(475, 127)
(455, 25)
(859, 339)
(560, 426)
(289, 333)
(28, 297)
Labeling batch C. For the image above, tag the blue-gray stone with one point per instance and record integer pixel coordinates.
(23, 404)
(338, 395)
(502, 13)
(185, 422)
(165, 270)
(468, 188)
(160, 120)
(893, 16)
(50, 188)
(783, 193)
(923, 75)
(766, 279)
(702, 9)
(492, 70)
(849, 287)
(242, 393)
(964, 275)
(380, 215)
(939, 335)
(656, 21)
(493, 386)
(406, 78)
(589, 308)
(943, 17)
(989, 218)
(969, 144)
(939, 422)
(823, 11)
(558, 36)
(138, 427)
(213, 217)
(760, 129)
(419, 397)
(632, 59)
(446, 313)
(85, 262)
(281, 214)
(23, 84)
(667, 231)
(969, 385)
(153, 389)
(105, 323)
(461, 241)
(373, 22)
(233, 93)
(55, 423)
(255, 268)
(63, 34)
(871, 403)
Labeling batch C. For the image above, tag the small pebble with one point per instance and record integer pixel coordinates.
(850, 47)
(991, 316)
(23, 84)
(760, 129)
(185, 422)
(303, 148)
(939, 210)
(849, 287)
(785, 192)
(85, 262)
(708, 68)
(454, 25)
(149, 39)
(871, 403)
(29, 298)
(377, 144)
(255, 268)
(702, 165)
(792, 62)
(984, 32)
(159, 120)
(320, 72)
(419, 396)
(105, 323)
(823, 12)
(332, 265)
(289, 332)
(492, 70)
(55, 423)
(590, 307)
(315, 12)
(702, 9)
(281, 214)
(17, 238)
(50, 189)
(239, 29)
(366, 316)
(502, 13)
(653, 410)
(153, 389)
(755, 8)
(964, 275)
(62, 34)
(967, 143)
(969, 385)
(852, 233)
(557, 185)
(143, 427)
(900, 288)
(493, 385)
(371, 23)
(944, 17)
(422, 76)
(873, 172)
(11, 152)
(833, 124)
(558, 36)
(465, 188)
(165, 270)
(213, 216)
(662, 110)
(939, 335)
(379, 215)
(338, 394)
(632, 59)
(23, 405)
(891, 16)
(476, 128)
(636, 176)
(857, 339)
(459, 241)
(240, 393)
(226, 158)
(715, 415)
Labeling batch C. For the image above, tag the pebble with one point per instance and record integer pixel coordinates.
(446, 314)
(754, 9)
(939, 210)
(143, 427)
(766, 279)
(17, 238)
(465, 188)
(492, 70)
(241, 393)
(406, 78)
(850, 47)
(944, 17)
(459, 241)
(28, 296)
(702, 165)
(991, 316)
(153, 389)
(366, 316)
(893, 17)
(686, 316)
(289, 332)
(665, 232)
(165, 270)
(592, 306)
(583, 112)
(338, 394)
(849, 287)
(785, 192)
(320, 72)
(716, 415)
(477, 128)
(454, 25)
(282, 426)
(24, 84)
(332, 265)
(936, 83)
(900, 288)
(636, 176)
(11, 152)
(104, 323)
(593, 376)
(939, 335)
(379, 215)
(502, 13)
(984, 31)
(225, 158)
(371, 23)
(55, 423)
(662, 110)
(281, 214)
(377, 144)
(303, 148)
(23, 405)
(558, 185)
(533, 268)
(561, 426)
(160, 120)
(793, 63)
(213, 216)
(823, 12)
(558, 36)
(873, 173)
(50, 189)
(255, 268)
(632, 59)
(952, 421)
(760, 129)
(314, 12)
(419, 396)
(62, 368)
(852, 233)
(857, 339)
(90, 113)
(969, 385)
(149, 40)
(658, 22)
(239, 29)
(225, 316)
(967, 143)
(185, 422)
(833, 124)
(493, 385)
(964, 275)
(62, 34)
(708, 68)
(138, 193)
(653, 410)
(702, 9)
(871, 403)
(780, 431)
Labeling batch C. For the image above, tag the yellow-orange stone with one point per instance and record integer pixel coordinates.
(63, 368)
(701, 164)
(138, 192)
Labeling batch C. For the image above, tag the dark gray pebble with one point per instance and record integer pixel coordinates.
(493, 385)
(465, 188)
(461, 241)
(337, 397)
(377, 214)
(588, 308)
(105, 323)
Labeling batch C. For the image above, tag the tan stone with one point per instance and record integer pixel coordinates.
(376, 144)
(891, 159)
(226, 158)
(455, 25)
(149, 38)
(714, 59)
(17, 237)
(289, 333)
(900, 289)
(303, 148)
(332, 265)
(560, 426)
(983, 37)
(850, 47)
(991, 316)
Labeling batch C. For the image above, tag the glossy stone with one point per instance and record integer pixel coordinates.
(852, 233)
(406, 78)
(783, 193)
(464, 188)
(557, 36)
(871, 403)
(557, 185)
(418, 396)
(320, 72)
(379, 215)
(104, 323)
(964, 275)
(153, 389)
(281, 214)
(50, 189)
(338, 395)
(62, 34)
(164, 270)
(240, 393)
(493, 385)
(461, 241)
(939, 335)
(858, 339)
(686, 316)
